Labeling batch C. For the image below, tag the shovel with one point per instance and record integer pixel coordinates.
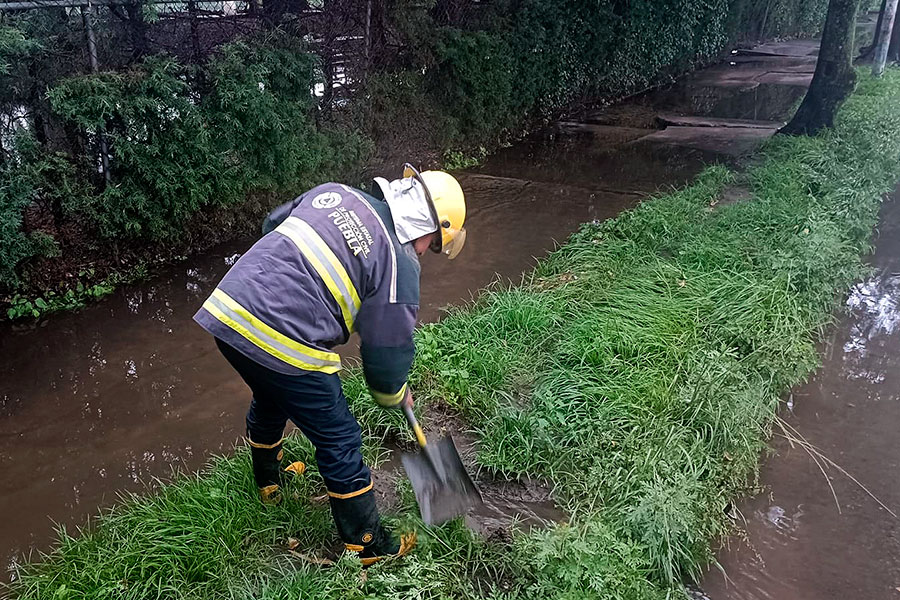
(443, 488)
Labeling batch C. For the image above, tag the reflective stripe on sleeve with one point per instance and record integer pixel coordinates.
(326, 264)
(228, 311)
(389, 400)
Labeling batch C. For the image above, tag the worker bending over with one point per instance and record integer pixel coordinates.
(334, 261)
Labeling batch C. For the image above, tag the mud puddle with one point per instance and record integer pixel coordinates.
(125, 391)
(762, 88)
(509, 504)
(730, 98)
(799, 544)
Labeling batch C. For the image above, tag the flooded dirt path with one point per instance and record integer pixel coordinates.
(124, 391)
(799, 545)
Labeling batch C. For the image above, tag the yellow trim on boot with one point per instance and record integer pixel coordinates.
(354, 547)
(263, 446)
(270, 494)
(296, 467)
(407, 543)
(350, 494)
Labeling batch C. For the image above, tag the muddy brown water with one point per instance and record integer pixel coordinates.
(799, 545)
(125, 391)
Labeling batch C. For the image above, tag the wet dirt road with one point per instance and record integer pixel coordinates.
(122, 392)
(799, 545)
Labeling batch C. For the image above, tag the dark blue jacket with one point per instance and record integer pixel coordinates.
(328, 264)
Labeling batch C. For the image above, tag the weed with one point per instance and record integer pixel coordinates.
(74, 295)
(456, 160)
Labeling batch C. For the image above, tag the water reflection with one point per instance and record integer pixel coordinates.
(778, 519)
(849, 412)
(875, 304)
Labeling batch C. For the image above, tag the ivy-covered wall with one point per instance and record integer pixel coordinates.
(191, 139)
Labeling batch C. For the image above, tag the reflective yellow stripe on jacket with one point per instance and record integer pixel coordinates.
(326, 264)
(226, 309)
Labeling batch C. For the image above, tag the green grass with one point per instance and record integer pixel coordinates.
(638, 370)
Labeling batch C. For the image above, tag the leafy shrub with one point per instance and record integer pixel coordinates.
(475, 80)
(15, 244)
(164, 165)
(31, 177)
(259, 108)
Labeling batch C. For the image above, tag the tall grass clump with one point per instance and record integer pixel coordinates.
(637, 370)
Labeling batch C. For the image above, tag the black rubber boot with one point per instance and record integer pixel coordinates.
(359, 525)
(267, 469)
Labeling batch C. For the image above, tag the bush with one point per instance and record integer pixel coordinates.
(475, 81)
(164, 164)
(259, 108)
(181, 141)
(15, 244)
(32, 178)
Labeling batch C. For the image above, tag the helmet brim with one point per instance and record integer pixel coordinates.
(455, 246)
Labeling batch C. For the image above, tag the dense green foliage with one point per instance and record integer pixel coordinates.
(637, 370)
(540, 56)
(180, 141)
(187, 139)
(36, 174)
(174, 155)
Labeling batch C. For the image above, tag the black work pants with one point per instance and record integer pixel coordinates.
(315, 403)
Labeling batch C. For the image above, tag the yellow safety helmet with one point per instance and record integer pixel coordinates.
(448, 208)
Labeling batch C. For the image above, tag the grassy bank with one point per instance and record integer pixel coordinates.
(638, 370)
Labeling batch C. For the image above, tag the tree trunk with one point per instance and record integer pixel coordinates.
(195, 32)
(894, 48)
(870, 50)
(137, 29)
(834, 78)
(881, 49)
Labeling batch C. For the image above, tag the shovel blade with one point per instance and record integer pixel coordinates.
(443, 489)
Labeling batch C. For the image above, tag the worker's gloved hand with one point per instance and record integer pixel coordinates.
(407, 400)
